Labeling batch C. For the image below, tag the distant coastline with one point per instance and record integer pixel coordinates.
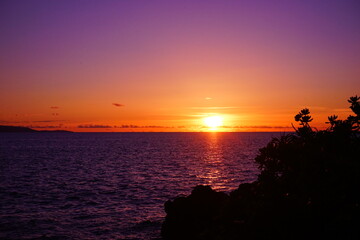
(13, 129)
(8, 129)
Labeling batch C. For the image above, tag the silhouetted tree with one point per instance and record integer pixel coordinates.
(318, 172)
(308, 188)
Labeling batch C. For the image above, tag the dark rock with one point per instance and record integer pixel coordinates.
(15, 129)
(193, 216)
(308, 188)
(26, 129)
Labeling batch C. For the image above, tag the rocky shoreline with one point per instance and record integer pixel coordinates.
(308, 188)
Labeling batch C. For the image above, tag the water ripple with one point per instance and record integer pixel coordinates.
(111, 185)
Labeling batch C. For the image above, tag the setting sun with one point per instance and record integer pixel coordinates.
(213, 121)
(179, 119)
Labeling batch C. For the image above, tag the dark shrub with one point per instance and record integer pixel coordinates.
(308, 188)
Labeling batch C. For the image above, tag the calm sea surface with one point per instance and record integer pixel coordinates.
(112, 185)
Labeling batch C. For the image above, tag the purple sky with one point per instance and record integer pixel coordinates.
(162, 58)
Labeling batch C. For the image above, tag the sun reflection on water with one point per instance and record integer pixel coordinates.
(212, 170)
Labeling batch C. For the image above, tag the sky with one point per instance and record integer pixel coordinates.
(131, 65)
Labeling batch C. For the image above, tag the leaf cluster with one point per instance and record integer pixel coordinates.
(316, 171)
(308, 188)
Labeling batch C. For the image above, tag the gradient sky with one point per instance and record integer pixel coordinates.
(165, 65)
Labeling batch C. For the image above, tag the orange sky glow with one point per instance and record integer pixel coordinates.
(124, 66)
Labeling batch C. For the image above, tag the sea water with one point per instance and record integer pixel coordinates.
(112, 185)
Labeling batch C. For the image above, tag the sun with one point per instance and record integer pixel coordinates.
(213, 121)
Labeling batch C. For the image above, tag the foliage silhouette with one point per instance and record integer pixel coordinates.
(308, 188)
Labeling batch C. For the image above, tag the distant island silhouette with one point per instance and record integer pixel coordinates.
(13, 129)
(308, 188)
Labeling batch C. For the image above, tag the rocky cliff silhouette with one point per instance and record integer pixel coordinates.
(308, 188)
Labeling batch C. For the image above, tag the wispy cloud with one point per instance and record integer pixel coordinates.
(54, 107)
(29, 122)
(342, 110)
(45, 126)
(118, 105)
(127, 126)
(94, 126)
(8, 122)
(258, 126)
(213, 108)
(48, 121)
(140, 126)
(327, 109)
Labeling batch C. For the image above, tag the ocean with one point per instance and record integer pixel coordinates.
(112, 185)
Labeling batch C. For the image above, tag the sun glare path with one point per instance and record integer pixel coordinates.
(213, 122)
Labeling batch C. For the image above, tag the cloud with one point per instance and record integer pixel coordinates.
(29, 122)
(208, 98)
(213, 108)
(48, 126)
(127, 126)
(54, 107)
(8, 122)
(47, 121)
(342, 110)
(55, 114)
(118, 105)
(139, 126)
(94, 126)
(255, 126)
